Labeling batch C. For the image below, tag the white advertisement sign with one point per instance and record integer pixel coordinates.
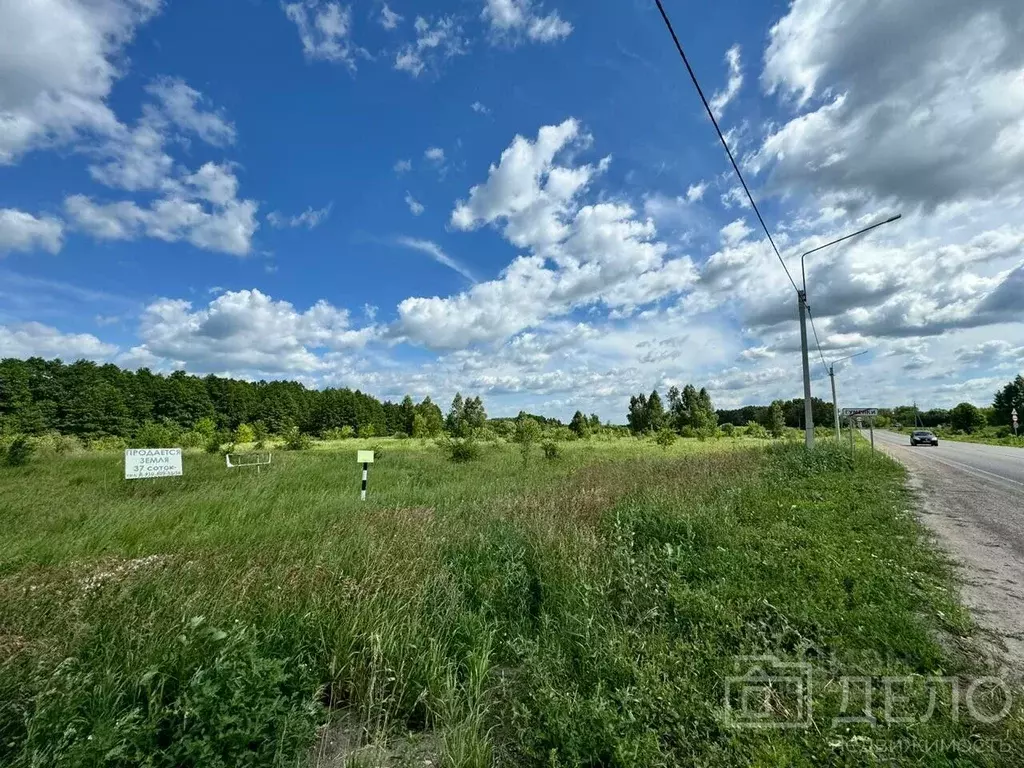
(152, 462)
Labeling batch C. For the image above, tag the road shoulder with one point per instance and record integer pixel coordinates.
(956, 506)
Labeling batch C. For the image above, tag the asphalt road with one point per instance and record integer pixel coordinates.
(973, 499)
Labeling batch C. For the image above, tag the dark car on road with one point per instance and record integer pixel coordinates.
(923, 438)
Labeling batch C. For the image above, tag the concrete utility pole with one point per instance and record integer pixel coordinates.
(808, 405)
(835, 401)
(832, 376)
(804, 309)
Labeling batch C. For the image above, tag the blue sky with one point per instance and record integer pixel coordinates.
(516, 199)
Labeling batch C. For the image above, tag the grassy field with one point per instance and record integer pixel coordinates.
(586, 611)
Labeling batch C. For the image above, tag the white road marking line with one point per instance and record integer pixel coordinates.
(975, 470)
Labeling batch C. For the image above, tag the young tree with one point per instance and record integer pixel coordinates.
(967, 418)
(637, 415)
(776, 420)
(655, 412)
(527, 433)
(206, 427)
(706, 418)
(474, 415)
(691, 406)
(245, 434)
(433, 419)
(455, 422)
(665, 438)
(579, 424)
(419, 426)
(406, 414)
(595, 421)
(676, 416)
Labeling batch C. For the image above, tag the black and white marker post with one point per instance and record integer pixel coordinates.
(366, 459)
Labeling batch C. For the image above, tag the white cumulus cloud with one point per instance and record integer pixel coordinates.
(415, 207)
(324, 29)
(246, 330)
(580, 255)
(436, 42)
(722, 98)
(58, 62)
(21, 231)
(516, 20)
(26, 340)
(310, 218)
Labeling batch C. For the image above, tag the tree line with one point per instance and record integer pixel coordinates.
(94, 401)
(964, 417)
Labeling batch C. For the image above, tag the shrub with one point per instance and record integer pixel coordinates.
(108, 443)
(967, 418)
(562, 434)
(68, 444)
(460, 449)
(347, 432)
(19, 453)
(245, 434)
(206, 427)
(295, 440)
(665, 438)
(56, 444)
(758, 431)
(706, 433)
(367, 430)
(194, 439)
(215, 442)
(728, 429)
(400, 435)
(378, 451)
(260, 432)
(153, 435)
(688, 431)
(550, 449)
(527, 433)
(487, 435)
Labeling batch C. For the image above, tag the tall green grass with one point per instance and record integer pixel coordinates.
(582, 611)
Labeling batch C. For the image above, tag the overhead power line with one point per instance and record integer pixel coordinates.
(816, 342)
(721, 136)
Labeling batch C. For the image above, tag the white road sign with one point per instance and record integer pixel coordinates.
(860, 411)
(152, 462)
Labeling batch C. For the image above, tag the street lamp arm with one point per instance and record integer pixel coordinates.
(804, 312)
(848, 357)
(876, 225)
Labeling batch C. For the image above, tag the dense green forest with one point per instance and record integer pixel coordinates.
(90, 400)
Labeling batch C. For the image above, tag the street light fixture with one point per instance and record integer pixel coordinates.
(832, 376)
(804, 308)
